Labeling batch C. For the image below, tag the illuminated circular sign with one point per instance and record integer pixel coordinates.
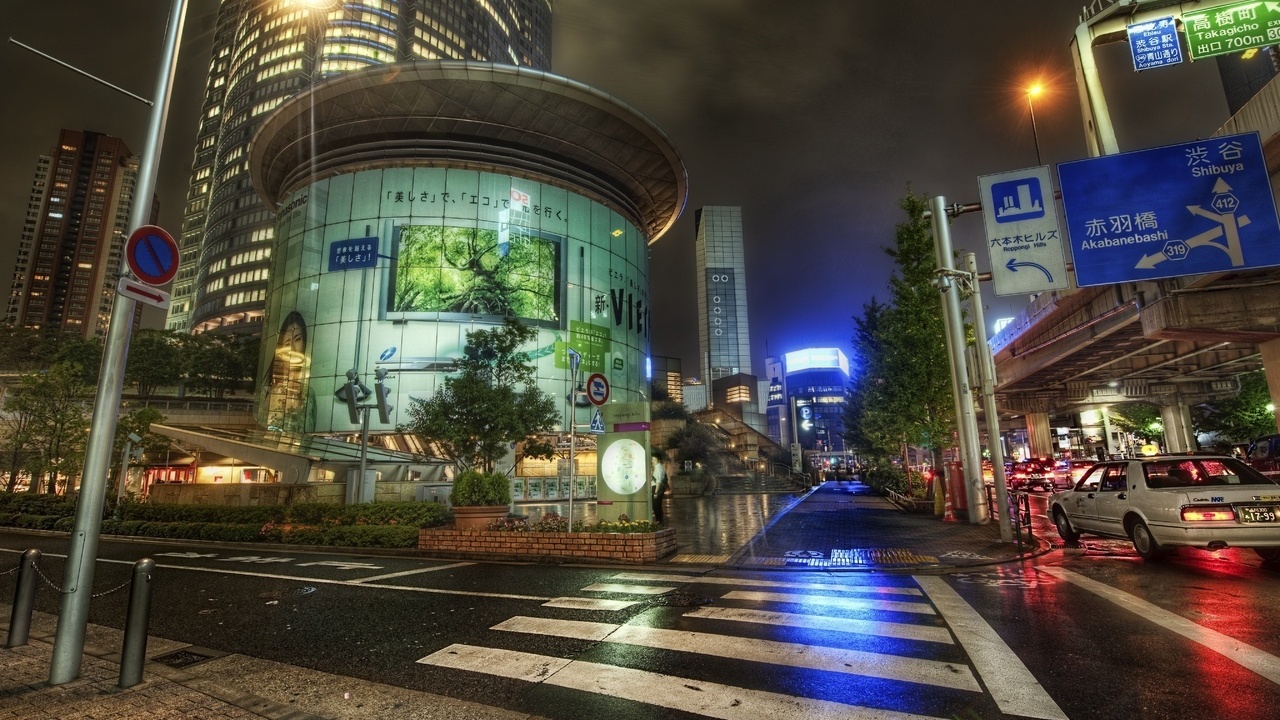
(623, 467)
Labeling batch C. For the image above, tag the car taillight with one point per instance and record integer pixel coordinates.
(1208, 513)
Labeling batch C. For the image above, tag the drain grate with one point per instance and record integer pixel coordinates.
(187, 657)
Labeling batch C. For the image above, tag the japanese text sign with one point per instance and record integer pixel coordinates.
(1188, 209)
(1231, 28)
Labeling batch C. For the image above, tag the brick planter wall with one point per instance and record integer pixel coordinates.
(634, 548)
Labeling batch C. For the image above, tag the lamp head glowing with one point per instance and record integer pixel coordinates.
(1034, 90)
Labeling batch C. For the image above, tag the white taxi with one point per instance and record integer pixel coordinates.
(1158, 502)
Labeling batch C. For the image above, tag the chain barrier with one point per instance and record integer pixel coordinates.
(60, 591)
(12, 570)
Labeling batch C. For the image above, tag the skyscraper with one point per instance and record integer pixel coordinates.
(724, 339)
(264, 53)
(73, 236)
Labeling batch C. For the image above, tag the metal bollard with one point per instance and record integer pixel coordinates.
(134, 653)
(24, 599)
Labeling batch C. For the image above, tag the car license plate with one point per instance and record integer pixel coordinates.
(1258, 515)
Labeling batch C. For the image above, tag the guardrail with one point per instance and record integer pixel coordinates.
(1019, 514)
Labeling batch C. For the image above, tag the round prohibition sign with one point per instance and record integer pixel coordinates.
(597, 389)
(152, 255)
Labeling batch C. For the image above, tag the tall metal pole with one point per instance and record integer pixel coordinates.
(987, 372)
(573, 438)
(364, 455)
(73, 619)
(1035, 136)
(966, 420)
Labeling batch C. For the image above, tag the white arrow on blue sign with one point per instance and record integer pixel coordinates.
(1187, 209)
(1023, 239)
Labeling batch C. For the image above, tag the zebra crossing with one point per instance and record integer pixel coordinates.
(870, 649)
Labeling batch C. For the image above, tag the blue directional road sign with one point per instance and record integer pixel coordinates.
(1188, 209)
(1155, 43)
(353, 254)
(1023, 239)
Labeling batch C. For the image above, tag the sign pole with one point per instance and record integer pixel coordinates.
(575, 362)
(987, 371)
(73, 619)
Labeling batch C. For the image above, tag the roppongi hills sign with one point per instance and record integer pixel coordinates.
(453, 251)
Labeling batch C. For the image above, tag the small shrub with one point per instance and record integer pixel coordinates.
(476, 489)
(509, 525)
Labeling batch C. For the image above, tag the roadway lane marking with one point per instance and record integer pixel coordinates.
(1013, 687)
(317, 581)
(388, 576)
(904, 631)
(832, 601)
(1237, 651)
(577, 603)
(772, 652)
(629, 589)
(661, 577)
(697, 697)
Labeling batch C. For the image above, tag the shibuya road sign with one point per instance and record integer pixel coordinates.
(1189, 209)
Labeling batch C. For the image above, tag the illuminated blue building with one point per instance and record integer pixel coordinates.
(807, 392)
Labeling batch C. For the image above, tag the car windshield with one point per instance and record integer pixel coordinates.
(1201, 472)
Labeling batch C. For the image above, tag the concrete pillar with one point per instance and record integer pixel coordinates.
(1109, 434)
(1271, 366)
(1039, 435)
(1178, 435)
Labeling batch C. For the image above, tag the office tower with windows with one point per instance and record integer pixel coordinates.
(724, 340)
(73, 235)
(263, 54)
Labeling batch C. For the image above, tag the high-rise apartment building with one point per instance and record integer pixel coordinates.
(724, 339)
(265, 51)
(73, 235)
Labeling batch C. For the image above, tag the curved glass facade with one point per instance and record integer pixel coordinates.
(266, 51)
(390, 268)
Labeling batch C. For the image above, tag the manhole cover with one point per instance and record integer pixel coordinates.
(682, 599)
(185, 658)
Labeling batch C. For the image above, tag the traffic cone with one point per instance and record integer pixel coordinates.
(948, 515)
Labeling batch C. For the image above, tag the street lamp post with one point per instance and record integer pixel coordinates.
(1033, 92)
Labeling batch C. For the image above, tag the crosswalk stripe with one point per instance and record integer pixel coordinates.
(417, 571)
(630, 589)
(1013, 687)
(905, 631)
(1239, 652)
(833, 601)
(668, 691)
(745, 582)
(813, 657)
(576, 603)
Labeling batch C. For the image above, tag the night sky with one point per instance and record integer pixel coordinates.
(815, 116)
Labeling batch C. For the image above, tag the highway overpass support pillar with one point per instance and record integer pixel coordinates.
(1039, 435)
(1271, 366)
(1178, 435)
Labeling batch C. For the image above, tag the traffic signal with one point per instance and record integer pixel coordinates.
(382, 393)
(352, 393)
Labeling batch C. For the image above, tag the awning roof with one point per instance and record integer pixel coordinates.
(292, 455)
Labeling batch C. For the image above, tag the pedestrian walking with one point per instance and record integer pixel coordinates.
(659, 488)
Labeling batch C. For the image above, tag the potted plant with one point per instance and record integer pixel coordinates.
(478, 499)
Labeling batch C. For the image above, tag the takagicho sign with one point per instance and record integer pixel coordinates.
(1199, 207)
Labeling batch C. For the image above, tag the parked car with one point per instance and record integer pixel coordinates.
(1158, 502)
(1264, 455)
(1031, 475)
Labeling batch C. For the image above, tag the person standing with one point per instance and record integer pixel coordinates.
(659, 488)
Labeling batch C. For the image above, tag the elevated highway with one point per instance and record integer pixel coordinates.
(1172, 343)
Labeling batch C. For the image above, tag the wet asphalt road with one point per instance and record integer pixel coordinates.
(1082, 633)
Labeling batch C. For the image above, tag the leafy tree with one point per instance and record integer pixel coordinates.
(17, 439)
(698, 443)
(155, 360)
(903, 394)
(1136, 418)
(492, 402)
(217, 364)
(57, 403)
(138, 421)
(1240, 418)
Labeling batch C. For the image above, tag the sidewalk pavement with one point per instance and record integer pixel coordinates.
(844, 525)
(222, 687)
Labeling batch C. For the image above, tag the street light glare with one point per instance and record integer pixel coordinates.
(1035, 90)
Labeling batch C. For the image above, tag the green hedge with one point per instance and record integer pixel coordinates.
(417, 514)
(36, 504)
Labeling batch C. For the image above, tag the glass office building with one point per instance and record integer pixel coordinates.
(724, 336)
